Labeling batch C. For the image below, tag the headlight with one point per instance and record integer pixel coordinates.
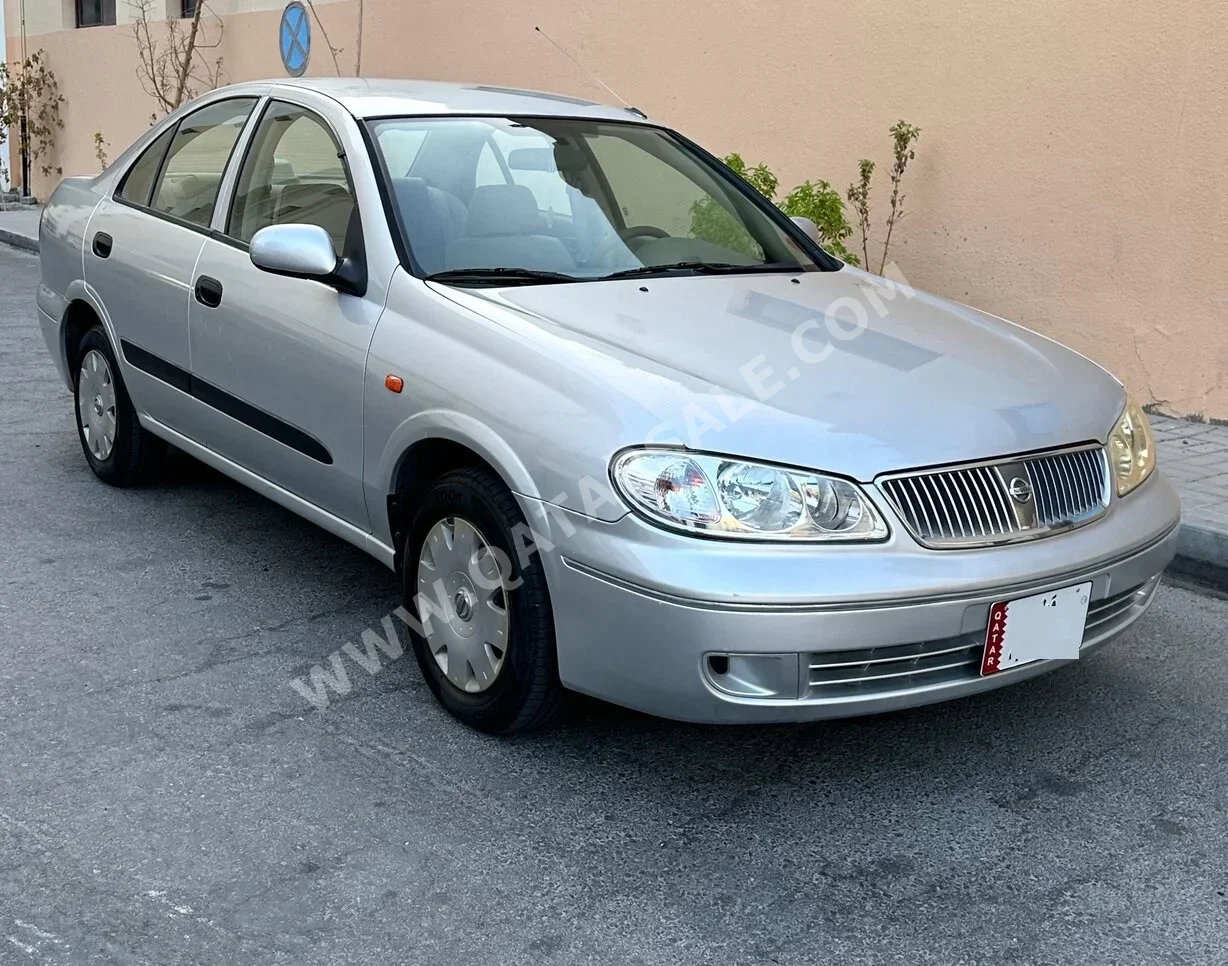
(1132, 449)
(734, 498)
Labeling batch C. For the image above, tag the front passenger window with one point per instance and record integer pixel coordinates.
(197, 158)
(293, 174)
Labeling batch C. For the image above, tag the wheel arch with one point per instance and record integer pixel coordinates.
(431, 444)
(82, 310)
(79, 318)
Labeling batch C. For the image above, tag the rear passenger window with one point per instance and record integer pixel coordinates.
(197, 159)
(138, 183)
(400, 149)
(530, 159)
(293, 174)
(489, 171)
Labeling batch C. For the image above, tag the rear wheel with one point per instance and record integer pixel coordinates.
(118, 450)
(487, 649)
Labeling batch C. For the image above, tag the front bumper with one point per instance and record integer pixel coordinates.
(641, 613)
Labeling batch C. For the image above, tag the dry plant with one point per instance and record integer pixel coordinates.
(903, 137)
(903, 140)
(174, 57)
(30, 102)
(100, 150)
(859, 198)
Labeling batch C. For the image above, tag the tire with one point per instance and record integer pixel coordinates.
(129, 456)
(525, 692)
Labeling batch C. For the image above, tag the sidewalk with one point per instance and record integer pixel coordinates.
(19, 226)
(1194, 456)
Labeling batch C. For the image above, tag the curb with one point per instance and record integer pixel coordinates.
(1196, 541)
(1202, 552)
(1197, 576)
(17, 240)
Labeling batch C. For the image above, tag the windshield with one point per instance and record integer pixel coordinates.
(558, 199)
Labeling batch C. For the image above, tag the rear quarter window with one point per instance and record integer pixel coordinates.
(137, 184)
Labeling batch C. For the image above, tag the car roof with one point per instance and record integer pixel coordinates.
(384, 97)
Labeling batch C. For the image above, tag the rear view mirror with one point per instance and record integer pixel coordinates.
(300, 251)
(531, 159)
(810, 229)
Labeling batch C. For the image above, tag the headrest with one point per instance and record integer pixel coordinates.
(502, 209)
(411, 193)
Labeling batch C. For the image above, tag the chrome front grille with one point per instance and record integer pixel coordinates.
(1002, 501)
(903, 667)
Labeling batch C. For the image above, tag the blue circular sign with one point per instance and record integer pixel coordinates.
(294, 39)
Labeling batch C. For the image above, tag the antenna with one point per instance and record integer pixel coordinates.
(584, 70)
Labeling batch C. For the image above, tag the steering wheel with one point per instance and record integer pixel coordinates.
(625, 236)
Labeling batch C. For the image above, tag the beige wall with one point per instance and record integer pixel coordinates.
(1070, 174)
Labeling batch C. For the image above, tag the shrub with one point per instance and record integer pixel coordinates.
(821, 203)
(816, 200)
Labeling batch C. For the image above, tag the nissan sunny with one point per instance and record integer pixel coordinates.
(618, 424)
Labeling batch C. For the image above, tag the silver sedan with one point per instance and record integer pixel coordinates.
(619, 425)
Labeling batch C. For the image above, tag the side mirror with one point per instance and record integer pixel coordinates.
(300, 251)
(808, 227)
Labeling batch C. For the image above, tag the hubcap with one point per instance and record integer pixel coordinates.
(460, 586)
(96, 404)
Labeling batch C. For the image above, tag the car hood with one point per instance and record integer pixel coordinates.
(838, 371)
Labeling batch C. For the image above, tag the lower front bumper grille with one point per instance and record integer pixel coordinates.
(903, 667)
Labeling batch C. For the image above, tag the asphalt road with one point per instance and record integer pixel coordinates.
(167, 798)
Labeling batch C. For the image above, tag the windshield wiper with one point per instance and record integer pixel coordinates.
(499, 276)
(700, 268)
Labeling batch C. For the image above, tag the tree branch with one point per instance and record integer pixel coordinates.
(168, 68)
(324, 33)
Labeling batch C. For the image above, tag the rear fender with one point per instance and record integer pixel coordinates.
(80, 290)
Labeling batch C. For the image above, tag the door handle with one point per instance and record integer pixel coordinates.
(102, 244)
(209, 291)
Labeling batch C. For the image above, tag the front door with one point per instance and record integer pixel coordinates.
(282, 360)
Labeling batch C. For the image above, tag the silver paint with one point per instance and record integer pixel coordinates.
(546, 383)
(305, 250)
(808, 227)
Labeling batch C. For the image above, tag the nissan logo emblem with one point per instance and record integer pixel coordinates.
(1019, 489)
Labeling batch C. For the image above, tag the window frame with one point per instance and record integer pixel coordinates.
(249, 142)
(824, 260)
(148, 208)
(102, 14)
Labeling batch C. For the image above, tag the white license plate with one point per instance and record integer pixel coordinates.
(1043, 627)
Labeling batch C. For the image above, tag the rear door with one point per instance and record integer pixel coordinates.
(142, 245)
(283, 360)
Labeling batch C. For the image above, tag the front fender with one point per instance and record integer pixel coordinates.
(455, 427)
(501, 392)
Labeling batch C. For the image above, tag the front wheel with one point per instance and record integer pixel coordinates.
(487, 646)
